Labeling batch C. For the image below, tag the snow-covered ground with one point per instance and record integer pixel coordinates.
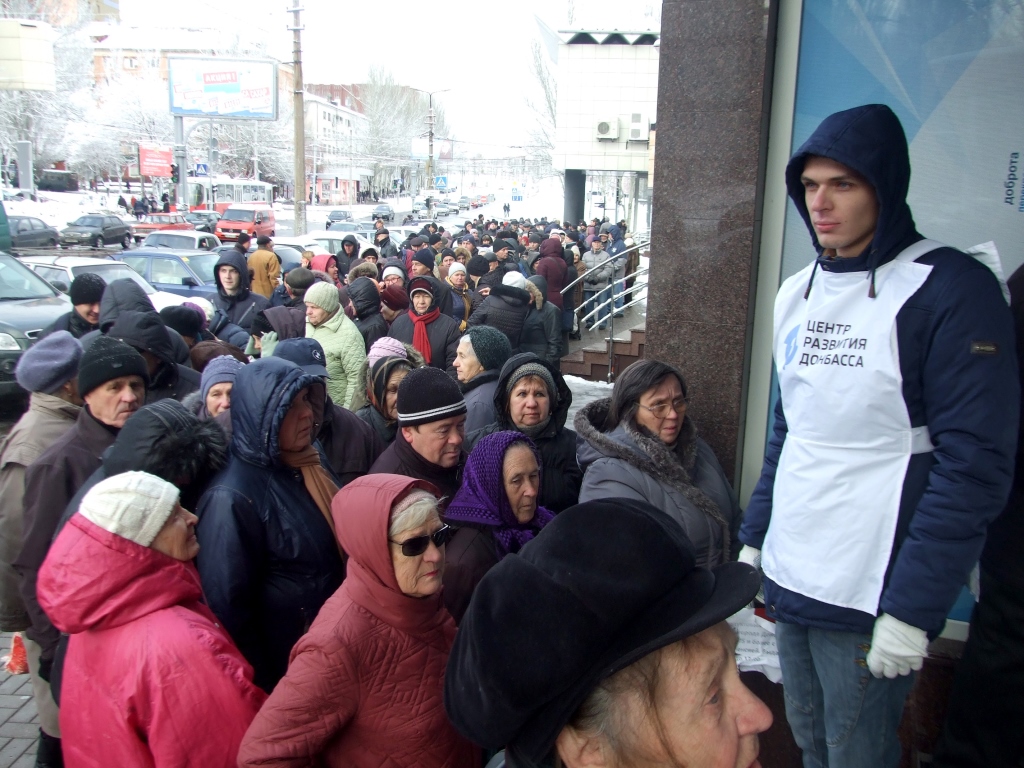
(584, 392)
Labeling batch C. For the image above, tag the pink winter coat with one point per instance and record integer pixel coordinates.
(364, 688)
(150, 678)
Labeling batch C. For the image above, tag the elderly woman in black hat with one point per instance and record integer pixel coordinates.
(619, 671)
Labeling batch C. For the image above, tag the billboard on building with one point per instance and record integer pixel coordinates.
(155, 161)
(244, 89)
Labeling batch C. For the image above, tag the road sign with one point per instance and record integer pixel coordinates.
(441, 183)
(202, 169)
(517, 196)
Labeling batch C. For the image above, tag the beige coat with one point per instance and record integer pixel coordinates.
(265, 268)
(47, 419)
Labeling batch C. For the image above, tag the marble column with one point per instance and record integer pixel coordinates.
(716, 60)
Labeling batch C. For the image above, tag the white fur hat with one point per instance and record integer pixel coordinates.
(133, 505)
(515, 279)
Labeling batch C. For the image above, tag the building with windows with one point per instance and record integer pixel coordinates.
(335, 127)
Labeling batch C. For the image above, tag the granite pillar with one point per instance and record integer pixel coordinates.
(714, 86)
(575, 192)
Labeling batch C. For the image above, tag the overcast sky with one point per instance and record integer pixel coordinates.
(479, 49)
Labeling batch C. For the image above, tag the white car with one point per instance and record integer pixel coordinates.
(59, 271)
(330, 241)
(304, 243)
(188, 240)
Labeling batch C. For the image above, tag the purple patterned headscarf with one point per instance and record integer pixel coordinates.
(482, 499)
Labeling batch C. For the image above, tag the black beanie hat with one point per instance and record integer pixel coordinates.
(107, 359)
(183, 320)
(87, 288)
(434, 239)
(478, 266)
(426, 395)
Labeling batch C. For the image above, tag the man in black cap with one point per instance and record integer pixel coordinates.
(422, 262)
(85, 294)
(350, 444)
(112, 380)
(242, 244)
(388, 250)
(607, 670)
(432, 422)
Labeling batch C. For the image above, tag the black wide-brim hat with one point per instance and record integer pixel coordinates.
(603, 585)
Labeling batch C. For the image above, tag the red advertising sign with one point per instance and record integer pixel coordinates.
(155, 161)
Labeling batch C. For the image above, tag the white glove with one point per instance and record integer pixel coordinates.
(896, 648)
(750, 556)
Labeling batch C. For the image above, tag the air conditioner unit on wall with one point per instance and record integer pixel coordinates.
(639, 127)
(607, 128)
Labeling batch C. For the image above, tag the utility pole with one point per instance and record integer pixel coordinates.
(256, 151)
(300, 124)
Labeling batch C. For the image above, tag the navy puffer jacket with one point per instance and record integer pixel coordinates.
(268, 559)
(968, 401)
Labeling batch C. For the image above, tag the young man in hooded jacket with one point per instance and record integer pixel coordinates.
(893, 443)
(234, 300)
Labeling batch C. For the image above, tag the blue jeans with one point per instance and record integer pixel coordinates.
(591, 298)
(840, 714)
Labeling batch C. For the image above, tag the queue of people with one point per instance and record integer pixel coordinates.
(336, 516)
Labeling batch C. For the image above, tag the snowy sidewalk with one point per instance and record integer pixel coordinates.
(19, 724)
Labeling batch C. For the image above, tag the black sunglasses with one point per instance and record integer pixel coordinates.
(418, 545)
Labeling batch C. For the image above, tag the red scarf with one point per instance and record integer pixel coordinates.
(420, 340)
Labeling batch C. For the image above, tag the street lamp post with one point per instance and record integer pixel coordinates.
(429, 170)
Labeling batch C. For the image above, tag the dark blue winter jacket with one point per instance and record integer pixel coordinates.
(268, 558)
(616, 245)
(958, 362)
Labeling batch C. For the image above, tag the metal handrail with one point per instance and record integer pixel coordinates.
(606, 261)
(610, 340)
(643, 287)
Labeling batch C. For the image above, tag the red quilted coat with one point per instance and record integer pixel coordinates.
(364, 687)
(150, 679)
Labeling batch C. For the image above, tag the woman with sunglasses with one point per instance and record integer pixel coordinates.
(365, 684)
(641, 444)
(495, 511)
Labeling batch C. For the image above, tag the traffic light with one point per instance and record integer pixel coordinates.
(174, 174)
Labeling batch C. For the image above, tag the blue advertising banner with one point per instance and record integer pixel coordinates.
(952, 72)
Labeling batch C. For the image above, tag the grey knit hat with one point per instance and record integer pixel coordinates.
(49, 364)
(532, 369)
(491, 346)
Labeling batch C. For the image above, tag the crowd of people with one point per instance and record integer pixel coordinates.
(336, 516)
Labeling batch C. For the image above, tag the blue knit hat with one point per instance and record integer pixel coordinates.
(220, 370)
(49, 364)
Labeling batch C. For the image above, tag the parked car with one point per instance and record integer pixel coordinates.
(59, 271)
(337, 215)
(28, 304)
(154, 222)
(255, 218)
(343, 226)
(203, 221)
(331, 241)
(464, 203)
(97, 230)
(183, 272)
(30, 232)
(191, 241)
(384, 211)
